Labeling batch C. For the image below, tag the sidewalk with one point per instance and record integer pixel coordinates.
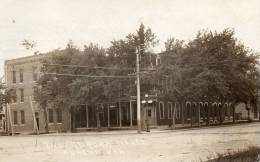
(158, 129)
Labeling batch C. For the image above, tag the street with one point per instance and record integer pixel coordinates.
(159, 145)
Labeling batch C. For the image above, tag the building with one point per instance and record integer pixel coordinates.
(21, 75)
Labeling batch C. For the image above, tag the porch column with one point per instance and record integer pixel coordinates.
(120, 115)
(155, 112)
(191, 114)
(131, 113)
(233, 107)
(229, 111)
(199, 116)
(182, 114)
(208, 115)
(108, 116)
(117, 114)
(173, 116)
(87, 115)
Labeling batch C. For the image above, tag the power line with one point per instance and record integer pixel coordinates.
(82, 66)
(212, 63)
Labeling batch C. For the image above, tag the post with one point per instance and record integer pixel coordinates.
(108, 116)
(199, 116)
(131, 113)
(155, 112)
(182, 114)
(34, 118)
(120, 114)
(138, 93)
(191, 114)
(233, 107)
(87, 115)
(173, 116)
(10, 119)
(6, 118)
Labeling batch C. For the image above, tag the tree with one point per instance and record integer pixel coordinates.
(215, 65)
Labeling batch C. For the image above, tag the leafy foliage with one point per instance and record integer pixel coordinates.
(213, 66)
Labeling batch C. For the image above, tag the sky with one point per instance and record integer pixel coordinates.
(52, 23)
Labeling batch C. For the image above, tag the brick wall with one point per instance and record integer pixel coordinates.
(29, 67)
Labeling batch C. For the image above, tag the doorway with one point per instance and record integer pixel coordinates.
(37, 120)
(150, 114)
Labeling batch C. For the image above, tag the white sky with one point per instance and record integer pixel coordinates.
(51, 23)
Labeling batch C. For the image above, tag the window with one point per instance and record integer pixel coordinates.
(34, 73)
(59, 115)
(15, 117)
(161, 110)
(14, 96)
(14, 76)
(22, 117)
(22, 95)
(50, 113)
(21, 75)
(170, 110)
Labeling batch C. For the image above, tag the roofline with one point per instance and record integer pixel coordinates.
(25, 58)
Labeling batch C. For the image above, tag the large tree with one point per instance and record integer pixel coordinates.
(213, 65)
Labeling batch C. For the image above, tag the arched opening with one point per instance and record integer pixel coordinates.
(201, 111)
(188, 112)
(226, 113)
(214, 112)
(220, 112)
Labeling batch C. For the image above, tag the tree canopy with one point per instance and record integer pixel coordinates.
(213, 66)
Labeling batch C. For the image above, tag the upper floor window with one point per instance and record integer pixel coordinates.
(21, 75)
(21, 95)
(35, 76)
(14, 76)
(13, 95)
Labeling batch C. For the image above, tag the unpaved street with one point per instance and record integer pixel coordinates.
(179, 145)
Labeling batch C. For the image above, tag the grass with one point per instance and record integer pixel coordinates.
(249, 154)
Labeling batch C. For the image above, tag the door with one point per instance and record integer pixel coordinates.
(150, 114)
(37, 120)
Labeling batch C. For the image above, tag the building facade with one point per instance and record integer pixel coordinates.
(24, 114)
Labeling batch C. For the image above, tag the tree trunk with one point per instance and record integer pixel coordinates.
(248, 114)
(46, 119)
(234, 120)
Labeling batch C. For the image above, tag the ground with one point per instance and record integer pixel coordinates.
(159, 145)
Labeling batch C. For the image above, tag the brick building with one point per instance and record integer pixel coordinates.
(21, 75)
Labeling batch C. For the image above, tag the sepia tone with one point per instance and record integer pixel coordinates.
(132, 90)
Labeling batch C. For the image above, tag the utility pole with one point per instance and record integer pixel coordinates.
(138, 92)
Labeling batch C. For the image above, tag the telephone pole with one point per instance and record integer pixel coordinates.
(138, 92)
